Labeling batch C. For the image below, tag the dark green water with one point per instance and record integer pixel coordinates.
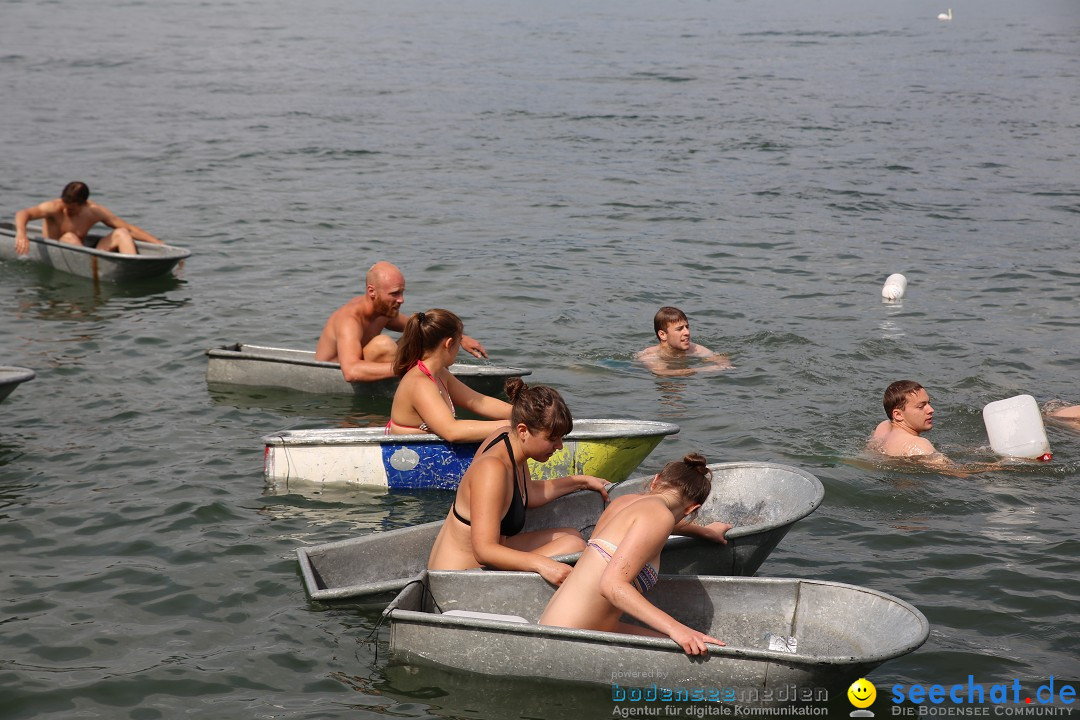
(554, 173)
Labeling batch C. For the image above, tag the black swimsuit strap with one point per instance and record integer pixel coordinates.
(505, 437)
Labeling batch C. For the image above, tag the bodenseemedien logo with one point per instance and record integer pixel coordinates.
(862, 694)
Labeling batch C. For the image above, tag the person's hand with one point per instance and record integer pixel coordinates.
(474, 348)
(717, 532)
(22, 244)
(721, 362)
(597, 484)
(553, 571)
(692, 641)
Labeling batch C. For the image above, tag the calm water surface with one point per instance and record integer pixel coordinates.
(553, 172)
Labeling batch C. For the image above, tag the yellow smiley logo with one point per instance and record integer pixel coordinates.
(862, 693)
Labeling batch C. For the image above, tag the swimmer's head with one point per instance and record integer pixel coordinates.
(897, 394)
(666, 317)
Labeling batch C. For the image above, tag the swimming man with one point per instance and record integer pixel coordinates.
(667, 357)
(907, 405)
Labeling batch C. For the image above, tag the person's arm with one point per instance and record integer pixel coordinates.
(487, 497)
(107, 217)
(397, 323)
(718, 361)
(22, 217)
(350, 355)
(473, 347)
(543, 492)
(714, 532)
(644, 539)
(943, 464)
(476, 402)
(429, 405)
(923, 449)
(1066, 413)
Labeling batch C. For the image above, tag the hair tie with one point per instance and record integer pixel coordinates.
(420, 317)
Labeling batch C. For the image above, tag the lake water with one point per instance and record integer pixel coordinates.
(553, 172)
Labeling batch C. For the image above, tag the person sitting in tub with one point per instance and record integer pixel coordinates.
(907, 407)
(669, 356)
(428, 394)
(486, 521)
(353, 338)
(621, 562)
(69, 219)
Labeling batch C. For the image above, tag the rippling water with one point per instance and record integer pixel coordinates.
(553, 172)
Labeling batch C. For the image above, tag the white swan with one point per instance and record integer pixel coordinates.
(945, 15)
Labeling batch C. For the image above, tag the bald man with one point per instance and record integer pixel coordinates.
(353, 336)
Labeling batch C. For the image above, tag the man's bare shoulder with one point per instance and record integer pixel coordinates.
(897, 443)
(648, 353)
(49, 207)
(880, 432)
(349, 311)
(343, 324)
(95, 211)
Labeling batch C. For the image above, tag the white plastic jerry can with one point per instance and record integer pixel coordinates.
(1015, 428)
(894, 288)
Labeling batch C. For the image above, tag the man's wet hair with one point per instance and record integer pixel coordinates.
(896, 395)
(666, 316)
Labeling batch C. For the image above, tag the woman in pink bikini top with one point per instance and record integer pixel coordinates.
(428, 393)
(621, 561)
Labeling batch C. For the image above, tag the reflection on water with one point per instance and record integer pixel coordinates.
(672, 398)
(58, 296)
(342, 411)
(353, 510)
(453, 694)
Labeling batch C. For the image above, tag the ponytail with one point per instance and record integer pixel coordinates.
(423, 332)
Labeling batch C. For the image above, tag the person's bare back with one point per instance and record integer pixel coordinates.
(347, 322)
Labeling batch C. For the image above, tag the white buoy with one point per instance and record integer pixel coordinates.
(945, 15)
(1015, 428)
(895, 286)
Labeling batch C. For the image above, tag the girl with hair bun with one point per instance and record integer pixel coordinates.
(484, 525)
(622, 560)
(428, 395)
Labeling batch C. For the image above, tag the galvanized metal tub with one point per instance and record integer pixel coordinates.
(87, 262)
(263, 366)
(761, 500)
(607, 448)
(11, 377)
(780, 634)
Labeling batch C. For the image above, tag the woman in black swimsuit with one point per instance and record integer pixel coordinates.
(483, 527)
